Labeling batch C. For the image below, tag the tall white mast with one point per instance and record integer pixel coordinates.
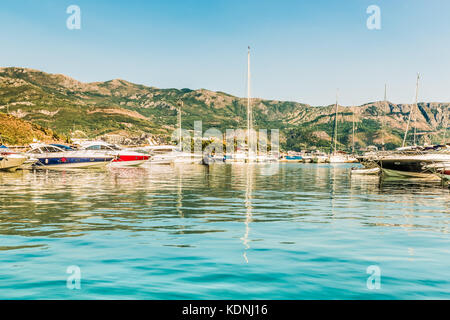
(410, 113)
(416, 109)
(445, 124)
(249, 110)
(180, 105)
(383, 119)
(336, 123)
(353, 130)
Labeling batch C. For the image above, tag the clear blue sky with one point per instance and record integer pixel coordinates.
(301, 50)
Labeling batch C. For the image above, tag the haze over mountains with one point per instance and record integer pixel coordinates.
(67, 106)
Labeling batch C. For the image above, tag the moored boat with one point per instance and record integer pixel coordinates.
(52, 157)
(319, 157)
(366, 171)
(122, 157)
(11, 161)
(340, 157)
(174, 156)
(423, 163)
(290, 158)
(442, 170)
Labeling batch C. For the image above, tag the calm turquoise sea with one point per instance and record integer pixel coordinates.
(276, 231)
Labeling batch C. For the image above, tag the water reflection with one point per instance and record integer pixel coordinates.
(161, 198)
(248, 206)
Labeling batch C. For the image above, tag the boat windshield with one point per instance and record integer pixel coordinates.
(50, 149)
(45, 149)
(100, 147)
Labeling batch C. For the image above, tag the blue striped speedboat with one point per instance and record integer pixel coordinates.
(53, 157)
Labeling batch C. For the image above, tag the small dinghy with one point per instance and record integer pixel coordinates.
(366, 171)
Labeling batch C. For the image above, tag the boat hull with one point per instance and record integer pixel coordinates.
(127, 163)
(71, 163)
(409, 174)
(11, 161)
(292, 159)
(320, 159)
(341, 159)
(130, 159)
(366, 171)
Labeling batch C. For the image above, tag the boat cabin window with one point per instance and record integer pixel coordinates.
(99, 147)
(93, 148)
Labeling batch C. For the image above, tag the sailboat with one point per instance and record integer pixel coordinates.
(174, 154)
(412, 112)
(416, 161)
(249, 154)
(339, 156)
(383, 119)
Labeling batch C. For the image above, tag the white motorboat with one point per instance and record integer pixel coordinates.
(341, 158)
(11, 161)
(171, 155)
(337, 158)
(122, 157)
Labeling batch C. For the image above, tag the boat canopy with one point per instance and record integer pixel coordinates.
(43, 148)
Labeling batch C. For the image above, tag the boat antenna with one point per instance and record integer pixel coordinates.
(383, 121)
(336, 122)
(180, 105)
(416, 109)
(412, 111)
(445, 115)
(353, 130)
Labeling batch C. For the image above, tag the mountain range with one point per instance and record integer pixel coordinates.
(61, 108)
